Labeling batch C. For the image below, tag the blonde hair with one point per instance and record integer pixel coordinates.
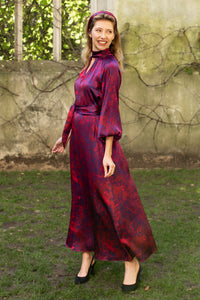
(115, 46)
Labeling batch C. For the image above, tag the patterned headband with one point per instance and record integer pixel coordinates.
(98, 13)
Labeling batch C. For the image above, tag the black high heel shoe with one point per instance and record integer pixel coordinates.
(79, 280)
(126, 288)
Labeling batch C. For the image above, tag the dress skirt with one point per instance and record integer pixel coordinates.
(107, 216)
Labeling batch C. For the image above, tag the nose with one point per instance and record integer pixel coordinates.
(103, 34)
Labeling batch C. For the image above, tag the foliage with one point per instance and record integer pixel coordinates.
(38, 28)
(35, 264)
(6, 29)
(74, 15)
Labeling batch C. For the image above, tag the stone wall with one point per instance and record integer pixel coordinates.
(35, 97)
(160, 124)
(160, 95)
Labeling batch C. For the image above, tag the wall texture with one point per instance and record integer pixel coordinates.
(160, 93)
(159, 97)
(34, 100)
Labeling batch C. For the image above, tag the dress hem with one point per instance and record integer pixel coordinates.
(113, 258)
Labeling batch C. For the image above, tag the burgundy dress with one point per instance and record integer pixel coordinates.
(107, 216)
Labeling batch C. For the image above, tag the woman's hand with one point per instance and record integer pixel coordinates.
(58, 147)
(109, 166)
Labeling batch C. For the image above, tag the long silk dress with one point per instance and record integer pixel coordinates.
(107, 216)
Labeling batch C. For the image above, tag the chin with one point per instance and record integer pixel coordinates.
(101, 48)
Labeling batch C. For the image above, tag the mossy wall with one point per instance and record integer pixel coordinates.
(160, 94)
(35, 97)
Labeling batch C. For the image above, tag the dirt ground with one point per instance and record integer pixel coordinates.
(61, 162)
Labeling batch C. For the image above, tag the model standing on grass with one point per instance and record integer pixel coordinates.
(107, 217)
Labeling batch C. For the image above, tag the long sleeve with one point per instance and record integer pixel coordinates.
(68, 125)
(110, 122)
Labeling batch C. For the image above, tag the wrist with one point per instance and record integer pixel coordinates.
(108, 154)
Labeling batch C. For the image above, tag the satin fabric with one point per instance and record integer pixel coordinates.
(107, 216)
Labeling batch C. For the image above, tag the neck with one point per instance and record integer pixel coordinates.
(101, 53)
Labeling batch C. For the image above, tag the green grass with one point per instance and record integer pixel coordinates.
(35, 264)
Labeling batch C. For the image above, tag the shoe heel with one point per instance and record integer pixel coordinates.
(92, 269)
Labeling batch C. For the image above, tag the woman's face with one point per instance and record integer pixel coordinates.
(102, 35)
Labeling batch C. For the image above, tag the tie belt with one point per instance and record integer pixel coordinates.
(89, 110)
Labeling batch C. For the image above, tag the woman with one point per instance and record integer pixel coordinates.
(107, 217)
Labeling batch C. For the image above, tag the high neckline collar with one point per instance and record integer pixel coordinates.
(101, 53)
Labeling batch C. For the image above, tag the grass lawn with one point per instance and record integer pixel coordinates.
(35, 264)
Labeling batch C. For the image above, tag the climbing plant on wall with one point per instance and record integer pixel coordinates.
(38, 28)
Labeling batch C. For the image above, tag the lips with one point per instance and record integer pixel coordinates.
(102, 43)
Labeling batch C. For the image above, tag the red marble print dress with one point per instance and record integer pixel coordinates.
(107, 216)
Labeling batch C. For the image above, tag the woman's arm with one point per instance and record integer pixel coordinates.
(109, 121)
(108, 164)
